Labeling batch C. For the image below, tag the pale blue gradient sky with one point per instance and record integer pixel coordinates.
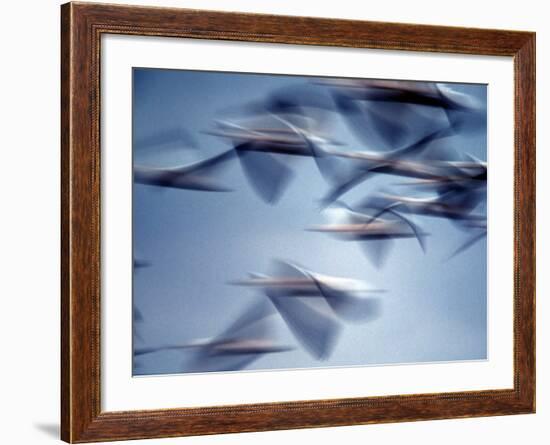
(433, 310)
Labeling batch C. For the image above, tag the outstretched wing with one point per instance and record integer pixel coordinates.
(252, 322)
(377, 250)
(207, 166)
(369, 124)
(268, 176)
(346, 304)
(179, 177)
(280, 268)
(201, 360)
(420, 236)
(313, 325)
(342, 188)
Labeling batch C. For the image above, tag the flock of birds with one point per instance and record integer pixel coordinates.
(409, 123)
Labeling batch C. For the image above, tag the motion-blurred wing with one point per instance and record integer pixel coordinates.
(346, 304)
(313, 325)
(421, 144)
(268, 176)
(252, 322)
(469, 243)
(305, 100)
(465, 200)
(178, 177)
(377, 250)
(368, 124)
(352, 181)
(280, 268)
(353, 308)
(420, 236)
(202, 361)
(466, 121)
(333, 169)
(208, 166)
(342, 214)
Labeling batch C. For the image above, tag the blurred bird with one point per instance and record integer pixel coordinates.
(259, 149)
(429, 94)
(453, 205)
(388, 112)
(246, 340)
(367, 163)
(196, 176)
(376, 234)
(442, 176)
(315, 321)
(305, 104)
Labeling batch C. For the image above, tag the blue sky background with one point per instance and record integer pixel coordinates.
(196, 242)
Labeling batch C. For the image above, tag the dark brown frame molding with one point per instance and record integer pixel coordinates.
(82, 25)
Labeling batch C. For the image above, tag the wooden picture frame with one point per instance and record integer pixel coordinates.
(82, 25)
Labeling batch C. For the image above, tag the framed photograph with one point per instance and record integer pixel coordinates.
(274, 222)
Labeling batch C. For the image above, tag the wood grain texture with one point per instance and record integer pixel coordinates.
(81, 28)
